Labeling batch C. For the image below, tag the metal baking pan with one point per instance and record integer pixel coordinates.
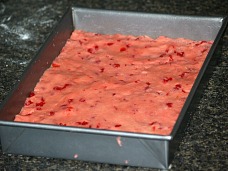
(146, 150)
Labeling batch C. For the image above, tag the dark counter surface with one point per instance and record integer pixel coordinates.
(24, 26)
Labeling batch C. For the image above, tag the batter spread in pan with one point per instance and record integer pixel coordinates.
(117, 82)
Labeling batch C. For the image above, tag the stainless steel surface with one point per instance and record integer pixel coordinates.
(101, 145)
(153, 25)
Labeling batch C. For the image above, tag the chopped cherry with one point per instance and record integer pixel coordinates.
(51, 113)
(183, 91)
(116, 65)
(118, 125)
(28, 114)
(98, 61)
(54, 65)
(137, 38)
(61, 88)
(110, 44)
(90, 50)
(204, 50)
(62, 124)
(153, 123)
(41, 103)
(177, 86)
(69, 108)
(64, 106)
(146, 88)
(115, 108)
(82, 123)
(80, 42)
(170, 58)
(70, 100)
(123, 49)
(28, 103)
(167, 79)
(201, 42)
(169, 104)
(31, 94)
(96, 47)
(162, 55)
(82, 100)
(183, 74)
(102, 70)
(181, 54)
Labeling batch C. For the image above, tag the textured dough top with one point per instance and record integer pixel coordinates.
(117, 82)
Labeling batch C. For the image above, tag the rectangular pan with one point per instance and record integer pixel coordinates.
(146, 150)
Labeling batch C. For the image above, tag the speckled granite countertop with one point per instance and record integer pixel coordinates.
(24, 26)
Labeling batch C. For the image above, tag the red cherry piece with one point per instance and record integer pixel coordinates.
(82, 123)
(167, 79)
(98, 125)
(62, 124)
(183, 74)
(177, 86)
(29, 102)
(70, 100)
(153, 123)
(97, 61)
(110, 44)
(183, 91)
(41, 103)
(169, 104)
(118, 125)
(96, 47)
(170, 58)
(54, 65)
(123, 49)
(61, 88)
(162, 55)
(204, 50)
(181, 54)
(90, 50)
(102, 70)
(201, 42)
(82, 100)
(28, 114)
(51, 113)
(116, 65)
(31, 94)
(69, 108)
(115, 108)
(80, 42)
